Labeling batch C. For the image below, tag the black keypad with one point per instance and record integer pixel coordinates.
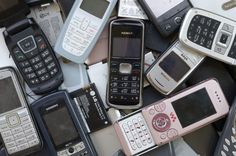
(35, 60)
(28, 70)
(232, 52)
(41, 71)
(124, 88)
(48, 59)
(202, 31)
(24, 64)
(38, 65)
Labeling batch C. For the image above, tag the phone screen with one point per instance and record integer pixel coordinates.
(160, 7)
(174, 66)
(95, 7)
(60, 127)
(126, 40)
(126, 47)
(9, 98)
(193, 107)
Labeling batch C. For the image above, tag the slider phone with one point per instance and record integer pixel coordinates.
(63, 132)
(82, 28)
(210, 34)
(170, 118)
(17, 128)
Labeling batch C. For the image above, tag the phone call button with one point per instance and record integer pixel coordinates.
(161, 122)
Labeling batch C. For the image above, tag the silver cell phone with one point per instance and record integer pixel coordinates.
(173, 68)
(210, 34)
(17, 128)
(126, 61)
(82, 28)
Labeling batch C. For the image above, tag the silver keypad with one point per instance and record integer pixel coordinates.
(136, 133)
(18, 131)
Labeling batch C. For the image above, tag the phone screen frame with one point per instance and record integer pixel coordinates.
(10, 73)
(44, 111)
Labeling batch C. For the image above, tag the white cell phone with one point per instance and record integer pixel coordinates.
(17, 128)
(172, 117)
(210, 34)
(82, 28)
(173, 68)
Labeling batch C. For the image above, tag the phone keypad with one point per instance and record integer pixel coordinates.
(37, 63)
(125, 86)
(80, 33)
(136, 133)
(18, 132)
(202, 30)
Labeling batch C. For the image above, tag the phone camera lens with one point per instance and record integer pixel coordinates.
(71, 150)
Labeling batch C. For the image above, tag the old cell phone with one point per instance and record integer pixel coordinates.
(185, 112)
(173, 68)
(33, 56)
(126, 54)
(82, 28)
(226, 144)
(18, 131)
(167, 15)
(63, 132)
(173, 117)
(134, 134)
(210, 34)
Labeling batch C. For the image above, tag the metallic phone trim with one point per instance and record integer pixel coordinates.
(175, 45)
(142, 68)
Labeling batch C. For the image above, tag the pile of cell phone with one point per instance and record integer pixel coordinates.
(61, 122)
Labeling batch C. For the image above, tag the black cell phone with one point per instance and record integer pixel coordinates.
(126, 52)
(227, 141)
(33, 56)
(64, 133)
(167, 15)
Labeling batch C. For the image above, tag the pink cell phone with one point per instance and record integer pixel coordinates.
(172, 117)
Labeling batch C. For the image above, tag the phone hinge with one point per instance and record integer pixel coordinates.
(19, 26)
